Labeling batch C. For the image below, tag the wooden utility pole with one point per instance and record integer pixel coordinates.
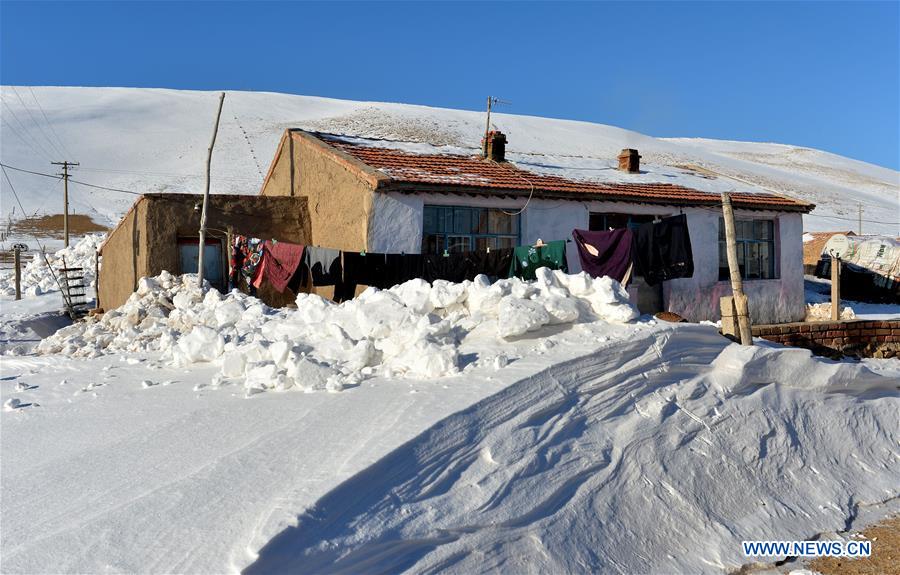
(96, 278)
(737, 286)
(487, 128)
(202, 246)
(17, 260)
(65, 177)
(835, 288)
(229, 238)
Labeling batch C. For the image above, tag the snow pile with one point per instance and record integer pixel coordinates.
(36, 277)
(411, 329)
(822, 312)
(658, 454)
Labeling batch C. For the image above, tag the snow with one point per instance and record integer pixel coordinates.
(592, 446)
(663, 462)
(36, 279)
(322, 345)
(818, 304)
(161, 138)
(28, 320)
(522, 427)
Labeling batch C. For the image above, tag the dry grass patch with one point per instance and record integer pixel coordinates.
(885, 558)
(51, 226)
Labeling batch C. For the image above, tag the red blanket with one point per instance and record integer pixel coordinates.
(282, 260)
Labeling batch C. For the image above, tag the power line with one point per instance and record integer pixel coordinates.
(854, 219)
(52, 129)
(170, 174)
(105, 188)
(53, 146)
(57, 177)
(38, 241)
(22, 138)
(35, 145)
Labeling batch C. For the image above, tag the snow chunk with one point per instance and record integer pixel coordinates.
(518, 316)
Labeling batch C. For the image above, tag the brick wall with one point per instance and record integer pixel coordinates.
(831, 337)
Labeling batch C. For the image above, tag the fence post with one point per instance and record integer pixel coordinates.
(17, 260)
(97, 279)
(835, 288)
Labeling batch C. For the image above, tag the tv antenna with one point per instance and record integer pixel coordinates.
(491, 102)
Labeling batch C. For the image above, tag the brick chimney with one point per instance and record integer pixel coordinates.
(493, 146)
(629, 161)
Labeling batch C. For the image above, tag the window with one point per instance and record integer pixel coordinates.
(755, 249)
(601, 222)
(464, 229)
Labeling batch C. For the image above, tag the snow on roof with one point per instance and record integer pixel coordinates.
(420, 163)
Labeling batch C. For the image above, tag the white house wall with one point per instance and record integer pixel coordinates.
(771, 301)
(395, 226)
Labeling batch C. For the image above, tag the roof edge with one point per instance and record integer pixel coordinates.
(110, 233)
(372, 176)
(439, 188)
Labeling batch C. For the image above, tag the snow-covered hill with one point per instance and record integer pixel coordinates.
(154, 140)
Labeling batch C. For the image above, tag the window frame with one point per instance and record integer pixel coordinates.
(445, 228)
(744, 247)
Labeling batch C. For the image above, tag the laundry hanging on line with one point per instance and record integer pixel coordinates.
(246, 256)
(281, 262)
(527, 259)
(324, 266)
(604, 253)
(661, 250)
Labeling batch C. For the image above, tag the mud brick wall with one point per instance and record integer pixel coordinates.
(837, 336)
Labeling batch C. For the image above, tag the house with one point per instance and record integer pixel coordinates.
(870, 265)
(161, 232)
(401, 197)
(813, 244)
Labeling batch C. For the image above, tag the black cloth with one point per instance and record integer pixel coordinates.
(662, 250)
(324, 265)
(451, 267)
(461, 266)
(494, 264)
(365, 269)
(400, 268)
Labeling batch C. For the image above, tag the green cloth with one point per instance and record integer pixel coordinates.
(527, 259)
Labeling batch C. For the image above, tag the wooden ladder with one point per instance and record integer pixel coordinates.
(73, 289)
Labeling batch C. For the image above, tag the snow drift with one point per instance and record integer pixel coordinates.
(36, 277)
(656, 455)
(412, 329)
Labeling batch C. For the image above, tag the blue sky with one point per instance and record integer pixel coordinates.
(818, 74)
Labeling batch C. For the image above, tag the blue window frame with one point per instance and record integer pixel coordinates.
(755, 241)
(464, 229)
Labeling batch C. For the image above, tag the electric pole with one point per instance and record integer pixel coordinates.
(860, 219)
(206, 195)
(65, 177)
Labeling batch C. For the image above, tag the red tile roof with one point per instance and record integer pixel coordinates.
(474, 174)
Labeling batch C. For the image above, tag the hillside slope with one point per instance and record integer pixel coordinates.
(155, 140)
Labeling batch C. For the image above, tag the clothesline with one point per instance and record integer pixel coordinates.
(658, 251)
(293, 266)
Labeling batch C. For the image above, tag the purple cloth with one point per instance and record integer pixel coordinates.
(613, 251)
